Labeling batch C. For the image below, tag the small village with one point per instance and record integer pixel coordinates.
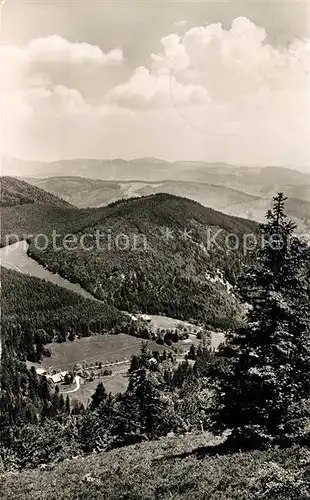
(174, 344)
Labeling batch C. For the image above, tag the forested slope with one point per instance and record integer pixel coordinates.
(155, 254)
(34, 312)
(158, 254)
(18, 192)
(27, 210)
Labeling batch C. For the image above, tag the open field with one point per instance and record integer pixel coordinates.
(171, 323)
(109, 349)
(105, 348)
(116, 383)
(164, 322)
(113, 351)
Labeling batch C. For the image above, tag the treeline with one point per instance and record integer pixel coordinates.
(34, 419)
(35, 312)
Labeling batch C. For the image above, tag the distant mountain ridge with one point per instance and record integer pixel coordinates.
(236, 190)
(143, 168)
(85, 192)
(262, 182)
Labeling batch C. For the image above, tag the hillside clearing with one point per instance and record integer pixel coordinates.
(105, 348)
(192, 467)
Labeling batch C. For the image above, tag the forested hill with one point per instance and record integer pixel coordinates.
(25, 221)
(17, 192)
(157, 255)
(165, 209)
(34, 312)
(27, 210)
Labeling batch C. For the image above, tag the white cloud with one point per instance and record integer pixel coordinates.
(215, 93)
(146, 90)
(173, 58)
(57, 49)
(56, 100)
(34, 77)
(233, 64)
(233, 67)
(232, 85)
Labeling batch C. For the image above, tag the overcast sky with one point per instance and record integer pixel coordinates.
(213, 81)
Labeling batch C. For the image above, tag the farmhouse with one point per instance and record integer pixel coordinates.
(146, 317)
(40, 371)
(58, 377)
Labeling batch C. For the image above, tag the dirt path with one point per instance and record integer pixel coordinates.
(77, 381)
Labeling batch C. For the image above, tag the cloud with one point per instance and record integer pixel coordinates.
(146, 90)
(44, 77)
(57, 100)
(44, 52)
(233, 65)
(231, 85)
(173, 58)
(214, 94)
(57, 49)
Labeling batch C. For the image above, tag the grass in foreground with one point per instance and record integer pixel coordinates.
(189, 468)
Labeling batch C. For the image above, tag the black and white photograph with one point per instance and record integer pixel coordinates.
(155, 250)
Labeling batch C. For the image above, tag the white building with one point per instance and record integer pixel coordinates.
(58, 377)
(40, 371)
(146, 317)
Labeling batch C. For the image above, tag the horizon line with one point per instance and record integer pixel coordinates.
(301, 169)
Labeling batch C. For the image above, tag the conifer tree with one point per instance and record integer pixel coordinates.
(67, 405)
(47, 410)
(261, 377)
(97, 424)
(30, 414)
(55, 400)
(146, 404)
(44, 389)
(192, 353)
(61, 403)
(98, 396)
(133, 364)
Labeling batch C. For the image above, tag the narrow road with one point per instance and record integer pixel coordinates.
(77, 382)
